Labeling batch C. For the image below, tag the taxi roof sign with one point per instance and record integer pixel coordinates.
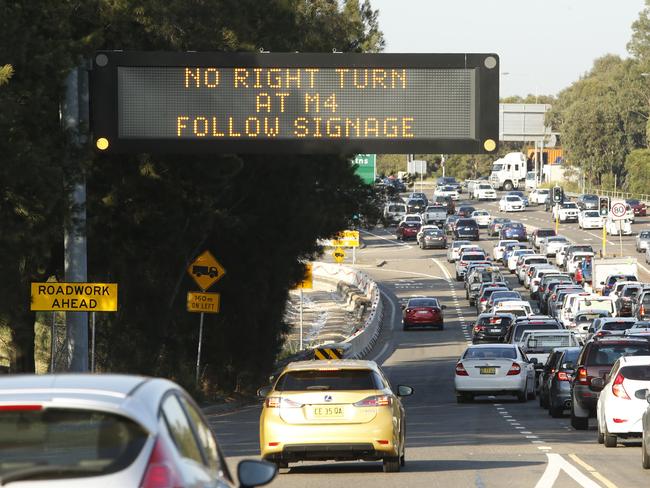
(205, 270)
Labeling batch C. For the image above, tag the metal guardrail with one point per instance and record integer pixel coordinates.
(644, 197)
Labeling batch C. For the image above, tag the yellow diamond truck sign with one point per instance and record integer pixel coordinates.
(74, 297)
(206, 270)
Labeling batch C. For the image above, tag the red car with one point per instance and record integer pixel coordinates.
(638, 207)
(408, 230)
(423, 311)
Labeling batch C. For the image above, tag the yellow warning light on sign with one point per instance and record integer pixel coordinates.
(490, 145)
(102, 143)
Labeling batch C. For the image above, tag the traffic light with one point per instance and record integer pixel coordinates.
(558, 194)
(603, 206)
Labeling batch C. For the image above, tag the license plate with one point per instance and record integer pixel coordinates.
(328, 412)
(423, 312)
(498, 331)
(488, 370)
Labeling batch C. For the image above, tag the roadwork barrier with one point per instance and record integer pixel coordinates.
(360, 291)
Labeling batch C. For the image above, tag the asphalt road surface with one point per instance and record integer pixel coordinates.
(492, 442)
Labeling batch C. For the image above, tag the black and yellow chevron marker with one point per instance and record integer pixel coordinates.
(328, 353)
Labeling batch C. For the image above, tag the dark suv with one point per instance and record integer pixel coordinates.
(595, 361)
(466, 229)
(587, 202)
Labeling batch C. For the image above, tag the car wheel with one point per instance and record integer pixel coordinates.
(531, 395)
(543, 400)
(645, 455)
(441, 326)
(391, 465)
(405, 327)
(610, 440)
(464, 397)
(402, 459)
(522, 396)
(601, 437)
(579, 423)
(458, 277)
(555, 411)
(281, 465)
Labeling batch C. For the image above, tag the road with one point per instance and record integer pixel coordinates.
(493, 442)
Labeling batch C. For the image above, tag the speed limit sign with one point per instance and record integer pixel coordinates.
(618, 210)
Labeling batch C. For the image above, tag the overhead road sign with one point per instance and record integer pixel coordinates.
(73, 297)
(366, 167)
(618, 211)
(203, 302)
(205, 270)
(185, 102)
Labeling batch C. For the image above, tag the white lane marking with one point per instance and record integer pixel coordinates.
(532, 437)
(557, 463)
(392, 241)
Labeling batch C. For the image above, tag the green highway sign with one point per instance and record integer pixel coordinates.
(366, 167)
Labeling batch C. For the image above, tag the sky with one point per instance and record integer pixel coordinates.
(544, 45)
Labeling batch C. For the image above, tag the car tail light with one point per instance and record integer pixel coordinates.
(562, 376)
(161, 470)
(479, 328)
(515, 369)
(460, 370)
(20, 408)
(618, 389)
(483, 299)
(553, 296)
(582, 377)
(642, 310)
(602, 333)
(279, 402)
(375, 401)
(619, 421)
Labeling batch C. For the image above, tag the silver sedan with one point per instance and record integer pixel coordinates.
(110, 430)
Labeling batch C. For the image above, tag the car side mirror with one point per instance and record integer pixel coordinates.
(403, 307)
(264, 391)
(597, 384)
(641, 394)
(403, 390)
(443, 307)
(252, 473)
(568, 365)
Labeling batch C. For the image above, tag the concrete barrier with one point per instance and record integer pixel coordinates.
(361, 342)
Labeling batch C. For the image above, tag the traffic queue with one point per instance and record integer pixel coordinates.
(578, 337)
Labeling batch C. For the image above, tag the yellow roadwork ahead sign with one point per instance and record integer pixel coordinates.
(206, 270)
(203, 302)
(74, 297)
(347, 238)
(308, 280)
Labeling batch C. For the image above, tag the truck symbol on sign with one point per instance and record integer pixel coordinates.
(199, 270)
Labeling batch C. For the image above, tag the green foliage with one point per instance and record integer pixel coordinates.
(6, 72)
(149, 216)
(637, 166)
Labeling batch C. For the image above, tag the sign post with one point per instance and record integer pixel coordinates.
(618, 214)
(205, 270)
(603, 207)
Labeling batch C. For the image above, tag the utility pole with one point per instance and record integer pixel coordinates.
(74, 113)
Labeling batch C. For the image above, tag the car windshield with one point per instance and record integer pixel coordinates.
(397, 208)
(590, 198)
(541, 343)
(607, 354)
(338, 379)
(423, 302)
(644, 234)
(513, 198)
(596, 304)
(490, 353)
(592, 213)
(485, 187)
(633, 202)
(75, 443)
(416, 202)
(569, 205)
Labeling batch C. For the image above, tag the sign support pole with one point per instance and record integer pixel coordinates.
(301, 318)
(354, 255)
(620, 235)
(92, 352)
(53, 343)
(604, 240)
(198, 354)
(557, 222)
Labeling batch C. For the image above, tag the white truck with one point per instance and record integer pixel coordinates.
(509, 171)
(604, 267)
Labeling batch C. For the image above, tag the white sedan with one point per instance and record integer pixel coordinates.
(551, 245)
(539, 196)
(514, 257)
(447, 191)
(511, 203)
(619, 409)
(590, 219)
(482, 217)
(494, 369)
(616, 227)
(497, 250)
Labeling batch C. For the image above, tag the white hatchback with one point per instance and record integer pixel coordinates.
(494, 369)
(511, 203)
(590, 219)
(482, 217)
(620, 407)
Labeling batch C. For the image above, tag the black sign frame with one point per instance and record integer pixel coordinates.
(104, 102)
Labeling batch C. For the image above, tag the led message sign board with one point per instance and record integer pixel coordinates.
(294, 103)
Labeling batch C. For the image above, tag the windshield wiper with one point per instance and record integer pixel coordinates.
(49, 470)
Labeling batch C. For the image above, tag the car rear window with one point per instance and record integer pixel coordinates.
(423, 302)
(637, 373)
(519, 329)
(607, 354)
(490, 353)
(617, 325)
(340, 379)
(503, 321)
(75, 443)
(473, 257)
(545, 233)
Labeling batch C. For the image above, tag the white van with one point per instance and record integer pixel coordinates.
(394, 212)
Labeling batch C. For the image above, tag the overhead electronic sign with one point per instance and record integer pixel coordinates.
(294, 103)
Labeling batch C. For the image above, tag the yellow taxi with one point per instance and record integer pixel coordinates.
(333, 410)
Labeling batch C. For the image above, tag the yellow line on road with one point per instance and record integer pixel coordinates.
(593, 472)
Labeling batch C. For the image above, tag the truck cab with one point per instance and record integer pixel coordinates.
(509, 171)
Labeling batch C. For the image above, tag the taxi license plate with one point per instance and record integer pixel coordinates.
(488, 370)
(327, 412)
